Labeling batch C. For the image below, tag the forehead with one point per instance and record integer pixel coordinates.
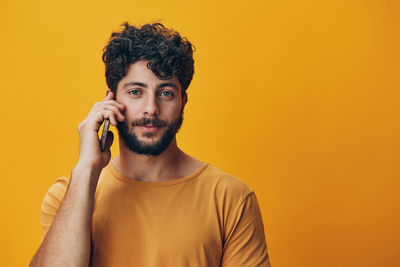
(139, 72)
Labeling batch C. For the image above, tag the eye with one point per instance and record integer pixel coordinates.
(134, 92)
(167, 93)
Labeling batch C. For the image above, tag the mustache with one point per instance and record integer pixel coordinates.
(156, 122)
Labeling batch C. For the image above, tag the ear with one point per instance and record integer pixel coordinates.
(108, 91)
(184, 100)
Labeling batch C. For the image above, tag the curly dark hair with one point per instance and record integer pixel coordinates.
(168, 53)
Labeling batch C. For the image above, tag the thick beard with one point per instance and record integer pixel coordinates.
(135, 145)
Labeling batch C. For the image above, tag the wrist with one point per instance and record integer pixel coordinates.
(88, 172)
(88, 166)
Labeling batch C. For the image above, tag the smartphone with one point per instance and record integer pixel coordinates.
(106, 126)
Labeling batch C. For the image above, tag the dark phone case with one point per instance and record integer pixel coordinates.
(104, 134)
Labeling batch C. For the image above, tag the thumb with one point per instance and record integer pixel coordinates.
(109, 140)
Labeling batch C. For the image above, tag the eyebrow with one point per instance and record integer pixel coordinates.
(161, 85)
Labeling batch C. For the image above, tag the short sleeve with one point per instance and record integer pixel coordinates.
(245, 244)
(51, 202)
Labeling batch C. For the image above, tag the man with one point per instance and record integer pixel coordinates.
(151, 205)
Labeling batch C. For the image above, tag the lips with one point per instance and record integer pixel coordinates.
(149, 128)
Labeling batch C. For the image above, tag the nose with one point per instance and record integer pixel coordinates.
(151, 107)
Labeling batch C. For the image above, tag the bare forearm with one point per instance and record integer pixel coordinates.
(67, 242)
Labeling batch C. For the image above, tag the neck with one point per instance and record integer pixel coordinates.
(163, 167)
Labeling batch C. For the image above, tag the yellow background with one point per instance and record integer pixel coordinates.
(298, 98)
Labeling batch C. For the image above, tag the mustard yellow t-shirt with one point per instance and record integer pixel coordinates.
(206, 219)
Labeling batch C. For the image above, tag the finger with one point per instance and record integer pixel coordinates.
(109, 140)
(111, 116)
(114, 103)
(116, 111)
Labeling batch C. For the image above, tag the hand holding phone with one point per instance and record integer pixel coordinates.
(92, 151)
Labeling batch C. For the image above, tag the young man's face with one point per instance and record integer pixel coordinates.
(154, 109)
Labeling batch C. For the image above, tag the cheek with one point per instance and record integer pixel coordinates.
(129, 115)
(173, 108)
(172, 114)
(131, 109)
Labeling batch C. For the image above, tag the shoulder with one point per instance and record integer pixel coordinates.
(225, 184)
(60, 185)
(52, 201)
(58, 189)
(55, 195)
